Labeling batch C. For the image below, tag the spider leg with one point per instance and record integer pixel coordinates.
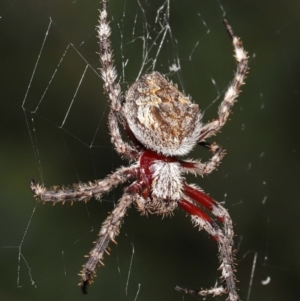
(214, 207)
(109, 230)
(113, 89)
(82, 191)
(213, 147)
(123, 148)
(233, 90)
(196, 167)
(225, 246)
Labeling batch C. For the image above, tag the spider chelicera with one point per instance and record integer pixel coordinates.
(161, 123)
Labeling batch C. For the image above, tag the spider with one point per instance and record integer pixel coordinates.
(161, 123)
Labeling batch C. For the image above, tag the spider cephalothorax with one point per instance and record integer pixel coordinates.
(159, 183)
(161, 123)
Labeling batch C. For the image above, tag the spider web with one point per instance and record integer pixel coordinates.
(54, 129)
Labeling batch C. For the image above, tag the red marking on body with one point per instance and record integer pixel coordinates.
(146, 160)
(144, 182)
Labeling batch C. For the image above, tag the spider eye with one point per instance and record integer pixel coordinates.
(160, 116)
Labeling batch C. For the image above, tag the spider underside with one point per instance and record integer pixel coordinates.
(162, 123)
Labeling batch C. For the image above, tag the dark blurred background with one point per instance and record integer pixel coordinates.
(54, 129)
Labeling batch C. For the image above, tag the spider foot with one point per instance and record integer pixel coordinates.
(84, 286)
(216, 291)
(87, 279)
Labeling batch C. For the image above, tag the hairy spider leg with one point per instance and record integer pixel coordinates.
(137, 144)
(216, 209)
(224, 238)
(109, 230)
(202, 199)
(111, 87)
(241, 56)
(194, 210)
(204, 221)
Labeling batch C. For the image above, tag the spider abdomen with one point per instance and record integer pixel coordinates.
(161, 117)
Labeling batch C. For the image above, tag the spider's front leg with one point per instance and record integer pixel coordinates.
(224, 238)
(110, 229)
(233, 90)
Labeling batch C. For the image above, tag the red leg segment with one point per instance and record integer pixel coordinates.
(201, 198)
(195, 211)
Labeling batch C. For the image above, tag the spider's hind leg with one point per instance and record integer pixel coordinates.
(233, 90)
(111, 87)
